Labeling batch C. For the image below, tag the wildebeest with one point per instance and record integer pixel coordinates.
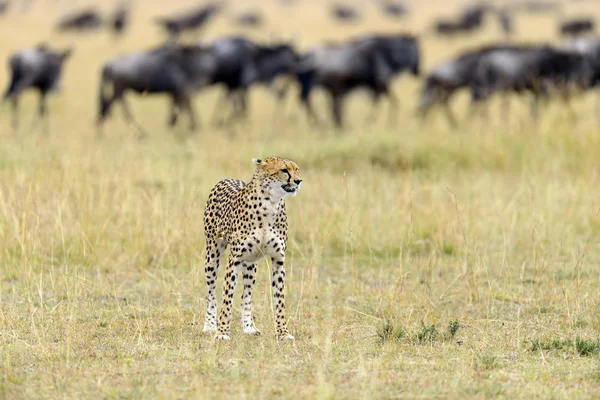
(444, 80)
(370, 62)
(537, 6)
(83, 20)
(176, 70)
(343, 12)
(120, 19)
(188, 21)
(539, 70)
(240, 63)
(577, 27)
(394, 9)
(589, 47)
(468, 20)
(505, 68)
(4, 6)
(39, 68)
(235, 63)
(249, 18)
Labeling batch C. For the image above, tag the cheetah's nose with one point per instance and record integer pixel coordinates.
(298, 181)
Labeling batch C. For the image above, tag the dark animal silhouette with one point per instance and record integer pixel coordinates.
(344, 13)
(85, 20)
(444, 80)
(4, 7)
(240, 63)
(38, 68)
(370, 62)
(191, 20)
(537, 6)
(176, 70)
(589, 47)
(120, 19)
(249, 18)
(394, 9)
(577, 27)
(469, 19)
(540, 71)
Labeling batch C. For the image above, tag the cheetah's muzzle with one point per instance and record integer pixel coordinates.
(289, 188)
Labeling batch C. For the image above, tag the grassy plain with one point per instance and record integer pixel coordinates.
(423, 262)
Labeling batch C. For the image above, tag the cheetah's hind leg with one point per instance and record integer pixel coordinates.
(214, 251)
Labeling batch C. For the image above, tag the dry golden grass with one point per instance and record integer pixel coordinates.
(423, 262)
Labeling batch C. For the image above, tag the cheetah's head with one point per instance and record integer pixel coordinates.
(280, 174)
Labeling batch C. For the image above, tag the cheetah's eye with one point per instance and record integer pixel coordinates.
(285, 171)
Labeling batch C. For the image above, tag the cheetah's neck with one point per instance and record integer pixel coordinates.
(270, 202)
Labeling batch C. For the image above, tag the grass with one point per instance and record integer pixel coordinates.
(422, 262)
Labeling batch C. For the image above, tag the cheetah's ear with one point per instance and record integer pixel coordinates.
(257, 161)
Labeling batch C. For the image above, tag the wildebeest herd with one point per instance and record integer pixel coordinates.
(370, 62)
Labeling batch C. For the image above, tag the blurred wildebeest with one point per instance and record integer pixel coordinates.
(539, 70)
(344, 12)
(577, 27)
(537, 6)
(176, 70)
(589, 47)
(394, 9)
(444, 80)
(84, 20)
(370, 62)
(239, 63)
(235, 63)
(249, 18)
(39, 68)
(120, 19)
(188, 21)
(468, 20)
(505, 19)
(4, 6)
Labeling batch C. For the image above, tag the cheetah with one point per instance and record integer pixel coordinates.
(252, 219)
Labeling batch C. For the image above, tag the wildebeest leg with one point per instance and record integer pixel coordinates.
(186, 103)
(336, 109)
(505, 108)
(14, 101)
(449, 115)
(42, 112)
(393, 110)
(534, 108)
(175, 108)
(221, 102)
(142, 133)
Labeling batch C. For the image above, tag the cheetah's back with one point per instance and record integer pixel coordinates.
(218, 205)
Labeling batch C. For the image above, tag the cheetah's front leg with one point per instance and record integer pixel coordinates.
(278, 285)
(233, 266)
(249, 275)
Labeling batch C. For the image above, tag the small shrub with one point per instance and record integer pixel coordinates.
(427, 334)
(452, 329)
(387, 331)
(587, 347)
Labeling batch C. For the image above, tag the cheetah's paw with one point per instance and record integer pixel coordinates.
(222, 336)
(251, 331)
(285, 337)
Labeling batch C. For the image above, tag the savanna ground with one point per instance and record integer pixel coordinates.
(423, 262)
